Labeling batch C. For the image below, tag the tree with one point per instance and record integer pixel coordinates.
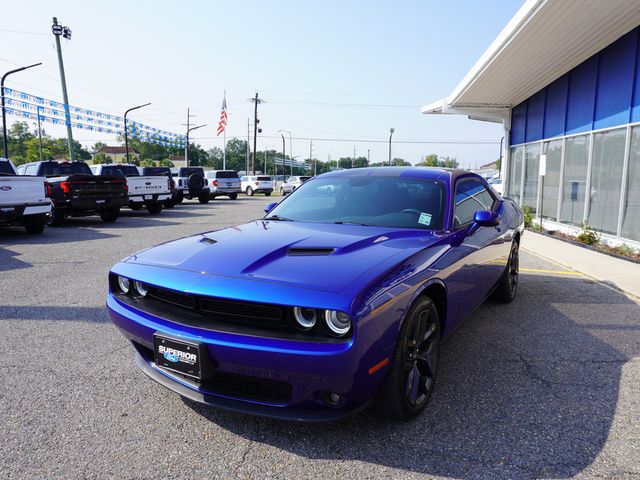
(433, 160)
(97, 147)
(101, 158)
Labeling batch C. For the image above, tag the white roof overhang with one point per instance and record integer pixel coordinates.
(543, 41)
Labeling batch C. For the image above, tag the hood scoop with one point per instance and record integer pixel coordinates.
(208, 240)
(310, 252)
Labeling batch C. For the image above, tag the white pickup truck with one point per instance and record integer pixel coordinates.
(148, 191)
(23, 199)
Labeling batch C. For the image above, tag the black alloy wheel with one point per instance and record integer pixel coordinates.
(56, 217)
(507, 287)
(412, 375)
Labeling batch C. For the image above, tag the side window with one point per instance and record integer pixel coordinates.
(20, 170)
(31, 170)
(471, 196)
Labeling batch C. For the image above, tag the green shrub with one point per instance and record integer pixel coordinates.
(626, 250)
(588, 236)
(528, 217)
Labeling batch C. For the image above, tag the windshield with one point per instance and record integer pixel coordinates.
(226, 174)
(6, 169)
(55, 169)
(156, 171)
(120, 170)
(185, 172)
(264, 179)
(375, 201)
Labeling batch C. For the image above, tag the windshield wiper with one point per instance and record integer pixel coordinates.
(279, 218)
(340, 222)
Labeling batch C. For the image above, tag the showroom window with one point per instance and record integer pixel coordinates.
(516, 173)
(631, 212)
(574, 181)
(531, 176)
(551, 180)
(606, 180)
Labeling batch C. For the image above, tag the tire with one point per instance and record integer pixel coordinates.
(55, 218)
(110, 215)
(249, 191)
(179, 197)
(411, 378)
(169, 203)
(203, 198)
(154, 208)
(233, 196)
(282, 191)
(196, 182)
(34, 224)
(507, 287)
(136, 206)
(267, 194)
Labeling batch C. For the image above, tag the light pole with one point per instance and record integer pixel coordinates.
(186, 149)
(391, 130)
(283, 154)
(126, 136)
(290, 149)
(5, 142)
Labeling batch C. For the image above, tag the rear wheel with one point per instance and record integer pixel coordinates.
(179, 197)
(169, 203)
(55, 218)
(203, 198)
(507, 287)
(154, 208)
(411, 378)
(233, 196)
(282, 191)
(267, 194)
(110, 215)
(136, 206)
(249, 191)
(34, 224)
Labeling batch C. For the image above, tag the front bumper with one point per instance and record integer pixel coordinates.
(310, 368)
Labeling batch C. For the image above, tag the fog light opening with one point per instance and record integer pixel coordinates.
(332, 399)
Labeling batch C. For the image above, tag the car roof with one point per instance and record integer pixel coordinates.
(432, 173)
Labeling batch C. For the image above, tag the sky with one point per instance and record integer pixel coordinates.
(338, 73)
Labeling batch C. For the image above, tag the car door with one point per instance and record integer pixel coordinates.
(479, 250)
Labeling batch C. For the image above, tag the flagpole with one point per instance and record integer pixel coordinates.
(224, 140)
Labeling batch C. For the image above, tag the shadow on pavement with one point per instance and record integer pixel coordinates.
(45, 312)
(8, 261)
(527, 390)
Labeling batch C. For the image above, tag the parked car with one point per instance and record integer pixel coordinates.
(76, 192)
(190, 183)
(252, 184)
(23, 200)
(291, 184)
(496, 184)
(164, 171)
(144, 191)
(341, 295)
(223, 183)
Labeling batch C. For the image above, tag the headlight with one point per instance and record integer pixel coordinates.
(306, 317)
(124, 284)
(338, 322)
(141, 288)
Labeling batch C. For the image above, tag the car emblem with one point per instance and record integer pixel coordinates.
(171, 357)
(5, 188)
(147, 183)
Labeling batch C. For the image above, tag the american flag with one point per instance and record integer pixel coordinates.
(222, 124)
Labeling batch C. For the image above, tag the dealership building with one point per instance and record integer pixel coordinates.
(563, 78)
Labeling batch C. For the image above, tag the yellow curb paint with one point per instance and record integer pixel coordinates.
(558, 272)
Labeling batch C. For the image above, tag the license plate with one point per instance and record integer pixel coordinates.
(148, 197)
(100, 201)
(179, 356)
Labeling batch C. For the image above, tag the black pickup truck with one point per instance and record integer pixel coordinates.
(76, 192)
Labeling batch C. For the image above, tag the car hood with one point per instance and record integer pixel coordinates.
(319, 256)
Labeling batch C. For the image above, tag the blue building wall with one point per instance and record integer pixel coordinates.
(601, 92)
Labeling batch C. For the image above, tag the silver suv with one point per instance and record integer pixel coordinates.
(223, 183)
(291, 184)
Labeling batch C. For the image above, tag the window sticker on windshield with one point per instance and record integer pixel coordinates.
(425, 219)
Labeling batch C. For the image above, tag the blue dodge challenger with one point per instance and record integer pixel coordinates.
(340, 296)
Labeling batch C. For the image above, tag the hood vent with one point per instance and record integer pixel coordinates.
(207, 240)
(310, 252)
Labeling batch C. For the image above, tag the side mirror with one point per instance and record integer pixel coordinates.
(486, 218)
(270, 207)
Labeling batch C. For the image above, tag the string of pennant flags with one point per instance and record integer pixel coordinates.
(27, 106)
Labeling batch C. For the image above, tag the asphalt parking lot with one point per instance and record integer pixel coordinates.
(548, 386)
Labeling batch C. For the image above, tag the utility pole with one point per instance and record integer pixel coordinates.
(189, 129)
(353, 159)
(291, 153)
(265, 162)
(368, 159)
(391, 130)
(283, 155)
(246, 159)
(66, 33)
(255, 101)
(311, 156)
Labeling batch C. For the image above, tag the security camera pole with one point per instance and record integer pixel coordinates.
(391, 130)
(66, 33)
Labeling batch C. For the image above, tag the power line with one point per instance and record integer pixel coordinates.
(23, 32)
(424, 142)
